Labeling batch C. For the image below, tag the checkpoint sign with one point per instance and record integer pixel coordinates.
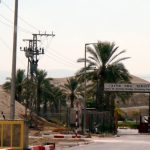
(134, 87)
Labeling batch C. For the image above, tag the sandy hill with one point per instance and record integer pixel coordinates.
(62, 81)
(5, 105)
(139, 99)
(136, 79)
(59, 81)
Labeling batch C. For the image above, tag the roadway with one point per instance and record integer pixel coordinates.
(125, 140)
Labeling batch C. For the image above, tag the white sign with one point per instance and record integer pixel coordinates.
(134, 87)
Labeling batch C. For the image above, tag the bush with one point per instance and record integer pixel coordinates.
(128, 124)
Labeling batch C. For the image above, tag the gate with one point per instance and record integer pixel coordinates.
(12, 134)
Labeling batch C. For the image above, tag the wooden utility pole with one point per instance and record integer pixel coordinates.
(13, 76)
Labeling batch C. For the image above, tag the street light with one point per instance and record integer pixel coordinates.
(84, 114)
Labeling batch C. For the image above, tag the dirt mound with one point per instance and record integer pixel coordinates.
(5, 105)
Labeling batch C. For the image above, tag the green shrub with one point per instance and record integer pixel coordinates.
(128, 124)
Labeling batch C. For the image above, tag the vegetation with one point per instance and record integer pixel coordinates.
(104, 66)
(20, 77)
(128, 124)
(36, 94)
(72, 89)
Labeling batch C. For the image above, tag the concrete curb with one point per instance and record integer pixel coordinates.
(44, 147)
(37, 147)
(62, 136)
(6, 149)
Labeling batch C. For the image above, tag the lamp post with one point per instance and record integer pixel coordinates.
(84, 114)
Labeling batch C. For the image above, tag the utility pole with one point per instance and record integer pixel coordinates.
(13, 82)
(32, 52)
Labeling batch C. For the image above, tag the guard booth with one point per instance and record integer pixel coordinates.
(143, 126)
(12, 134)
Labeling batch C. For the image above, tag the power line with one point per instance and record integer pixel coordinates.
(57, 54)
(58, 60)
(6, 19)
(58, 57)
(5, 24)
(53, 51)
(11, 24)
(23, 20)
(8, 48)
(61, 58)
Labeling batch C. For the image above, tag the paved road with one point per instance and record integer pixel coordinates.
(127, 140)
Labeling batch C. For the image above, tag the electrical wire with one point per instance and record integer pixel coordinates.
(8, 48)
(59, 56)
(62, 62)
(58, 53)
(23, 20)
(5, 24)
(11, 25)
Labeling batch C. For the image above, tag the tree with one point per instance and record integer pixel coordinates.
(71, 89)
(103, 66)
(20, 77)
(44, 90)
(47, 94)
(58, 99)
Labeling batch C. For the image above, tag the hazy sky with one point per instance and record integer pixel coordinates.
(76, 22)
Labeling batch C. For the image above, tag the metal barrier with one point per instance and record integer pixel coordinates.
(12, 134)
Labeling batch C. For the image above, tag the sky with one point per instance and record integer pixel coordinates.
(76, 22)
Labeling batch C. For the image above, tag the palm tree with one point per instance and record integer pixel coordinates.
(71, 88)
(20, 77)
(47, 94)
(58, 99)
(44, 89)
(103, 66)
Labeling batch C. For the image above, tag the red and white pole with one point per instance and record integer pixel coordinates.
(77, 119)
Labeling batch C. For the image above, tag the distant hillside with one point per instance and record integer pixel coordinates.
(136, 79)
(137, 100)
(62, 81)
(138, 103)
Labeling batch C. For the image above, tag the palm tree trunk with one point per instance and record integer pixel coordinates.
(45, 107)
(38, 109)
(100, 96)
(72, 100)
(112, 110)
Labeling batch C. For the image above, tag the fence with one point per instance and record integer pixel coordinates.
(56, 117)
(102, 120)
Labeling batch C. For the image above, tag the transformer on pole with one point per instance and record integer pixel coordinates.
(32, 52)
